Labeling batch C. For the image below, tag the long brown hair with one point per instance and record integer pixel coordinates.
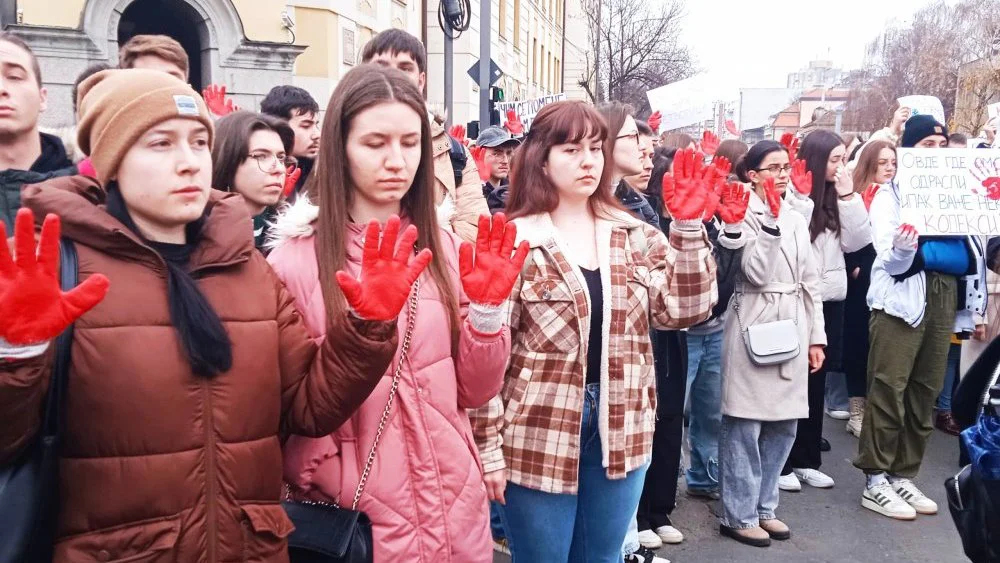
(615, 114)
(531, 190)
(330, 187)
(867, 167)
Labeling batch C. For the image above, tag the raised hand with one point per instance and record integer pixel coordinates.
(899, 117)
(802, 178)
(772, 197)
(869, 195)
(479, 156)
(489, 274)
(387, 273)
(844, 183)
(458, 132)
(709, 143)
(514, 125)
(35, 310)
(291, 178)
(792, 144)
(215, 100)
(734, 203)
(906, 237)
(654, 121)
(692, 186)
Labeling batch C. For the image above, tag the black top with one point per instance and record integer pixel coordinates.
(593, 278)
(178, 254)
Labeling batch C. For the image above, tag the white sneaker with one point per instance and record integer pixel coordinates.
(838, 414)
(669, 534)
(883, 499)
(789, 483)
(648, 538)
(914, 497)
(814, 478)
(645, 555)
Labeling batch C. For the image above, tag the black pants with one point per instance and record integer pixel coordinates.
(659, 493)
(805, 452)
(856, 318)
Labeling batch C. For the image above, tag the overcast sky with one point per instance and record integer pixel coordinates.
(759, 42)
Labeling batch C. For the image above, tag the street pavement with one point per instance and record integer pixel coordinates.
(830, 525)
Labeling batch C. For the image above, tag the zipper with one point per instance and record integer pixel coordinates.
(211, 510)
(958, 492)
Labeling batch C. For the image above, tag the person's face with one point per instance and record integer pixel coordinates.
(152, 62)
(307, 134)
(835, 162)
(627, 156)
(640, 181)
(21, 99)
(166, 176)
(575, 168)
(933, 142)
(383, 153)
(775, 165)
(261, 177)
(405, 63)
(886, 169)
(497, 161)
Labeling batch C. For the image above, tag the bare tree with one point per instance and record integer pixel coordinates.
(635, 48)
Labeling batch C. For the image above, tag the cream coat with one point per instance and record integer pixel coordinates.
(779, 280)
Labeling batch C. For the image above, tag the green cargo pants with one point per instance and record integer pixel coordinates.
(906, 369)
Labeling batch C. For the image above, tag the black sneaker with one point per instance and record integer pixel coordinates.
(645, 555)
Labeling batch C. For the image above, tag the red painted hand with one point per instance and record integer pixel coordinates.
(291, 178)
(735, 200)
(792, 144)
(654, 121)
(35, 310)
(869, 195)
(692, 186)
(802, 178)
(458, 132)
(479, 155)
(772, 197)
(514, 125)
(709, 143)
(488, 277)
(387, 273)
(215, 100)
(906, 237)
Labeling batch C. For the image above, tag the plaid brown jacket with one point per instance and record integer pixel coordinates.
(533, 427)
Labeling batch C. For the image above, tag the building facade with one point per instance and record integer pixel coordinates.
(819, 74)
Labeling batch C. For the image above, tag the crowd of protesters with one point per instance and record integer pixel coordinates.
(488, 343)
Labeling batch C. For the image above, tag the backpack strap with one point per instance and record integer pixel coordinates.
(52, 424)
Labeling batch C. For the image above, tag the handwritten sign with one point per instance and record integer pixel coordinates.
(993, 111)
(924, 105)
(950, 191)
(526, 110)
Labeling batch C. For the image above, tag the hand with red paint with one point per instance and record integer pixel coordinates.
(654, 121)
(869, 195)
(514, 125)
(906, 237)
(292, 175)
(489, 271)
(387, 273)
(988, 175)
(215, 100)
(35, 310)
(734, 203)
(692, 187)
(479, 156)
(458, 133)
(772, 197)
(709, 143)
(791, 142)
(802, 178)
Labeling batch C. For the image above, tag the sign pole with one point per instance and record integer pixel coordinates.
(484, 62)
(449, 78)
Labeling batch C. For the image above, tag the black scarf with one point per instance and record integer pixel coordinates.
(202, 336)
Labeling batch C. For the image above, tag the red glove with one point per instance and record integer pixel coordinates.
(385, 279)
(654, 121)
(692, 186)
(458, 132)
(215, 100)
(735, 200)
(291, 178)
(772, 197)
(489, 277)
(792, 144)
(906, 237)
(514, 125)
(35, 310)
(869, 195)
(479, 155)
(709, 143)
(802, 179)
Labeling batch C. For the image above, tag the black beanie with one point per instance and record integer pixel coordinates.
(919, 127)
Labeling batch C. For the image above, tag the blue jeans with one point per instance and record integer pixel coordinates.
(587, 527)
(705, 396)
(753, 453)
(951, 376)
(496, 522)
(836, 392)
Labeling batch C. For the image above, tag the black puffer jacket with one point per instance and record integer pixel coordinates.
(52, 163)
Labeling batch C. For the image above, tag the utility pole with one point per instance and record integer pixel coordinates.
(484, 62)
(449, 78)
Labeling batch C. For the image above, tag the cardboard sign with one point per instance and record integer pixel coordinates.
(924, 105)
(993, 110)
(526, 110)
(950, 191)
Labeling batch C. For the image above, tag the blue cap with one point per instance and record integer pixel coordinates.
(494, 136)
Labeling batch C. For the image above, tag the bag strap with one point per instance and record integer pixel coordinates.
(396, 375)
(52, 424)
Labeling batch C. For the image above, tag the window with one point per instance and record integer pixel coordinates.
(503, 18)
(517, 24)
(534, 61)
(557, 87)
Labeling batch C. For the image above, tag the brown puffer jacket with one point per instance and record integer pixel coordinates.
(159, 465)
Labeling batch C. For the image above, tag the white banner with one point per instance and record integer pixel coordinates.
(950, 191)
(922, 105)
(527, 109)
(686, 102)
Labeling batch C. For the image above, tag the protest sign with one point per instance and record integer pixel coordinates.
(686, 102)
(950, 191)
(993, 110)
(526, 110)
(924, 105)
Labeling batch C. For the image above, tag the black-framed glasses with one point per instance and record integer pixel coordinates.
(776, 168)
(267, 162)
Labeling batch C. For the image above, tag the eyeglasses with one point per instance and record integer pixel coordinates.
(268, 162)
(776, 168)
(630, 136)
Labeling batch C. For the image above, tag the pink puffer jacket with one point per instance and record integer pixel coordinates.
(425, 495)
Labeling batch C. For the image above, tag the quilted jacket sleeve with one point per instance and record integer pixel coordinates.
(23, 385)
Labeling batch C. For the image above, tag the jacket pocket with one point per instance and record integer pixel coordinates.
(149, 541)
(265, 530)
(548, 317)
(513, 394)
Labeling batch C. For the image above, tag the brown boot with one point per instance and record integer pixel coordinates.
(857, 416)
(777, 529)
(756, 537)
(945, 423)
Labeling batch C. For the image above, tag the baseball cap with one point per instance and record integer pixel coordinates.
(494, 136)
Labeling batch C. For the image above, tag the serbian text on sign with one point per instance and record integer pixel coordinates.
(950, 191)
